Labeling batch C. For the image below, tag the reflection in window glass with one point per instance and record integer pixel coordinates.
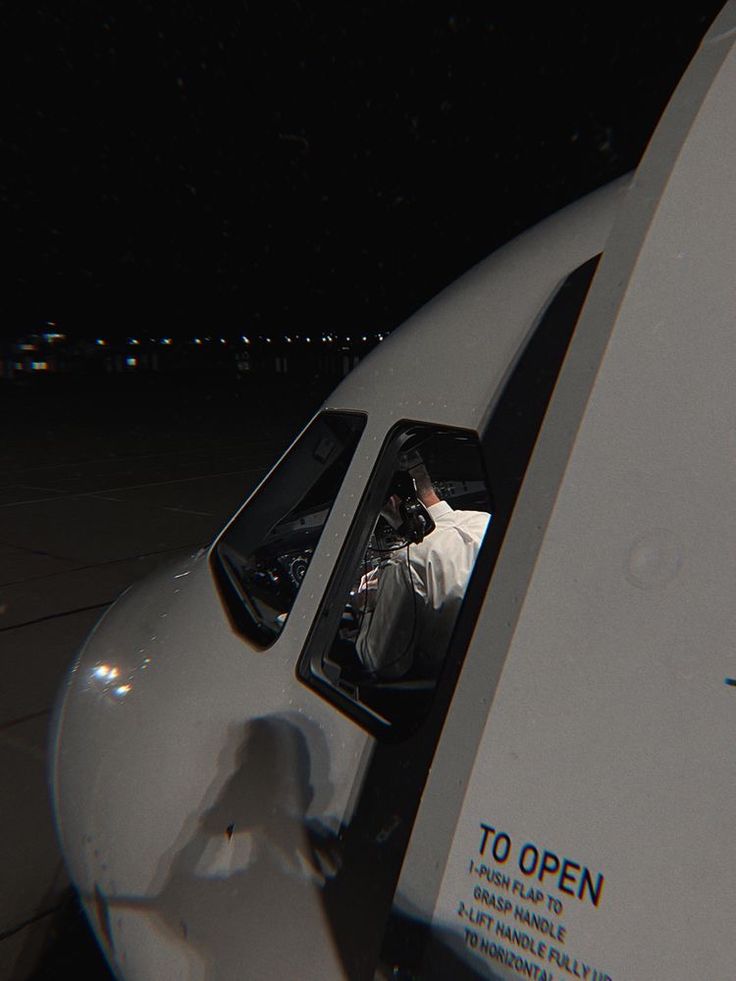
(403, 589)
(262, 558)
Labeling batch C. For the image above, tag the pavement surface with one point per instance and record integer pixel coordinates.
(101, 481)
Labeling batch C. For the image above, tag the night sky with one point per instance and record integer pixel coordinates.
(175, 168)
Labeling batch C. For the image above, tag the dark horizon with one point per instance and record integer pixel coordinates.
(275, 169)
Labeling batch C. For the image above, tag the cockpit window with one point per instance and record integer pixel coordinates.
(262, 557)
(380, 640)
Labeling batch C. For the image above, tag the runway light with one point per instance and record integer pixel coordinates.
(133, 340)
(39, 365)
(131, 362)
(197, 340)
(166, 340)
(122, 690)
(101, 341)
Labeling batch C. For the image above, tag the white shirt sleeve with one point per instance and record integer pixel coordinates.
(416, 603)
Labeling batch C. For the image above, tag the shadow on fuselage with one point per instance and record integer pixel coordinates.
(242, 887)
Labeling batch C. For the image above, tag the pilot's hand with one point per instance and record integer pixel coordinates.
(369, 581)
(367, 590)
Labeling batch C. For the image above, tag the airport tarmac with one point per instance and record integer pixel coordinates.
(101, 482)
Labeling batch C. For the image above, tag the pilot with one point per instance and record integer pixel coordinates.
(411, 602)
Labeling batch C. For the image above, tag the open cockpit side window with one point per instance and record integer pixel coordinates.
(263, 555)
(380, 640)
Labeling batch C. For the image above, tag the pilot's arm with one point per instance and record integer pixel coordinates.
(388, 633)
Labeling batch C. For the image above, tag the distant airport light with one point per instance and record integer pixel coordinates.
(309, 340)
(101, 341)
(166, 340)
(131, 362)
(122, 690)
(39, 366)
(197, 340)
(28, 347)
(51, 336)
(223, 341)
(133, 340)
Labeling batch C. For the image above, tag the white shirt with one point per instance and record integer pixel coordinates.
(417, 602)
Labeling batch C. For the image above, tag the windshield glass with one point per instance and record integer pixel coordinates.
(262, 558)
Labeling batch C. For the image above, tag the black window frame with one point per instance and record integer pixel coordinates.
(326, 623)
